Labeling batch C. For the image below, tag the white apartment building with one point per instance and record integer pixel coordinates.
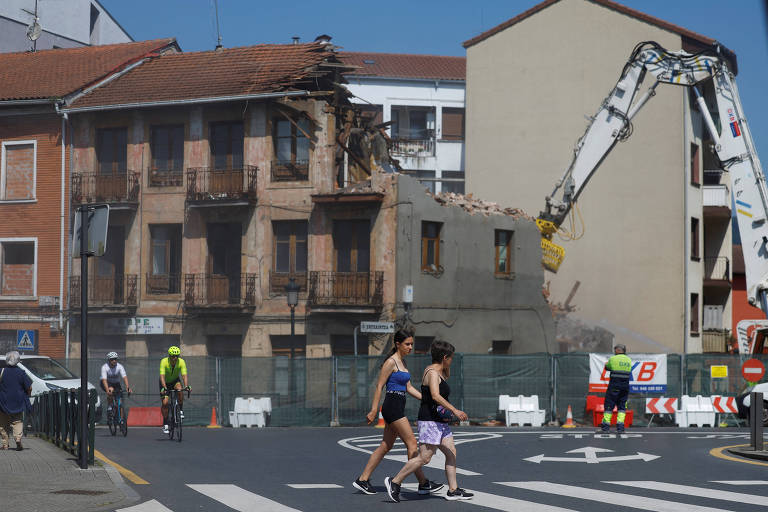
(422, 96)
(62, 24)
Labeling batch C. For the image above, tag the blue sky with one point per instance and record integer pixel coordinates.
(439, 28)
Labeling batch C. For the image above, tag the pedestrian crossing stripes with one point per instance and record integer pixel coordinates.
(569, 497)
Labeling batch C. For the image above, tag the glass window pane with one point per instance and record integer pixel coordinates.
(283, 128)
(159, 263)
(302, 149)
(282, 257)
(284, 150)
(430, 252)
(301, 256)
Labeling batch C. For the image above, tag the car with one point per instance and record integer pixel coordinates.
(47, 374)
(743, 401)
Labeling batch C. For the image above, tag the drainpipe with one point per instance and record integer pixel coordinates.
(63, 224)
(686, 242)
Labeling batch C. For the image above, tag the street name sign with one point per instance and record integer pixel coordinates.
(380, 327)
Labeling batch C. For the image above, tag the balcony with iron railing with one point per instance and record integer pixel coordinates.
(225, 186)
(346, 289)
(413, 147)
(279, 280)
(113, 292)
(217, 291)
(163, 284)
(290, 171)
(714, 341)
(717, 271)
(114, 188)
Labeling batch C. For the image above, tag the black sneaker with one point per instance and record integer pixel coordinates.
(363, 486)
(393, 489)
(458, 494)
(620, 428)
(605, 428)
(429, 486)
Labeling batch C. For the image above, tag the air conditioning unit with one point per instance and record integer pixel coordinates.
(713, 318)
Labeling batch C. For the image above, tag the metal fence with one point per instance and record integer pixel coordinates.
(339, 390)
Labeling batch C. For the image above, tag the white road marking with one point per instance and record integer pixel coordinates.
(702, 492)
(484, 499)
(240, 499)
(437, 462)
(315, 486)
(627, 501)
(147, 506)
(590, 456)
(741, 482)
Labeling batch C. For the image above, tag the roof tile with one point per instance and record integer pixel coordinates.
(55, 73)
(399, 65)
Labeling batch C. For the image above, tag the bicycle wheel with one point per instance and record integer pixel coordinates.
(123, 421)
(111, 421)
(179, 421)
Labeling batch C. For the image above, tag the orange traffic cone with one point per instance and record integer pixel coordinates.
(213, 419)
(381, 423)
(569, 419)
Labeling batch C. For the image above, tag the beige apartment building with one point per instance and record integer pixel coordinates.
(653, 265)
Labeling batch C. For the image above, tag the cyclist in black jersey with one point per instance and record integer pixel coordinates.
(395, 376)
(434, 432)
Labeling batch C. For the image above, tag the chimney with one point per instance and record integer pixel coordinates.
(323, 39)
(295, 39)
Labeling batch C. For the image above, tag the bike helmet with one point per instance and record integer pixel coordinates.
(111, 355)
(174, 351)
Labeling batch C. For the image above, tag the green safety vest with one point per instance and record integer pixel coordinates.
(620, 367)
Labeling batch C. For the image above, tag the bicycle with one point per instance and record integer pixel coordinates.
(175, 420)
(116, 417)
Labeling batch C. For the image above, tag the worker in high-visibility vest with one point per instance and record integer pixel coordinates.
(620, 366)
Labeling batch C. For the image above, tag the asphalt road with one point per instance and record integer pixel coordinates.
(548, 469)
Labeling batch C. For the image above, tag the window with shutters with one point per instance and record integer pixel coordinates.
(291, 143)
(167, 148)
(430, 246)
(226, 140)
(18, 269)
(289, 255)
(503, 252)
(112, 150)
(165, 275)
(453, 123)
(18, 170)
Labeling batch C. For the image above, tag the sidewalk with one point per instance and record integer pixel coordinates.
(44, 477)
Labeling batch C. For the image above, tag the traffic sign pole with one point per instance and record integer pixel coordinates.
(83, 438)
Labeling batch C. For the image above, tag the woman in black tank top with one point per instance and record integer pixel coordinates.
(434, 432)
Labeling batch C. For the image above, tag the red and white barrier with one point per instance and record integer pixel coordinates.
(725, 404)
(660, 405)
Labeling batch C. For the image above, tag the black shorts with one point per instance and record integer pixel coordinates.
(116, 386)
(393, 407)
(168, 385)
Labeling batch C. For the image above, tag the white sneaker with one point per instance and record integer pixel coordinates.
(165, 429)
(181, 414)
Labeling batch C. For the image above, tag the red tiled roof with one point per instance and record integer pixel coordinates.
(399, 65)
(224, 73)
(56, 73)
(703, 40)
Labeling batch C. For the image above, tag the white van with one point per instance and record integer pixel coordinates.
(48, 374)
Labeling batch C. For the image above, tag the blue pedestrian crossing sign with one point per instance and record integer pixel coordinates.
(25, 340)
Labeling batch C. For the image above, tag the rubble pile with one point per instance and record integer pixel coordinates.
(473, 206)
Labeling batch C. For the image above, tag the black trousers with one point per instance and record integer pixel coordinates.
(616, 396)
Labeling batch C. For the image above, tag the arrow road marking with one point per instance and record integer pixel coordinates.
(639, 502)
(590, 456)
(739, 497)
(240, 499)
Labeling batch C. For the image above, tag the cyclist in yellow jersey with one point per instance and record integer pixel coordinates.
(173, 370)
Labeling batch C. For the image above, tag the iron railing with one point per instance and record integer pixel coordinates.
(717, 269)
(56, 418)
(413, 147)
(209, 184)
(106, 291)
(346, 288)
(163, 284)
(217, 290)
(279, 280)
(95, 187)
(165, 177)
(290, 171)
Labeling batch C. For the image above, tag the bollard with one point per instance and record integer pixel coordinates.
(756, 421)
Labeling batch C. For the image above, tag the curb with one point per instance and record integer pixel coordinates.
(750, 454)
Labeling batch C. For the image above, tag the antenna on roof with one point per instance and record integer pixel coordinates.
(34, 30)
(218, 32)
